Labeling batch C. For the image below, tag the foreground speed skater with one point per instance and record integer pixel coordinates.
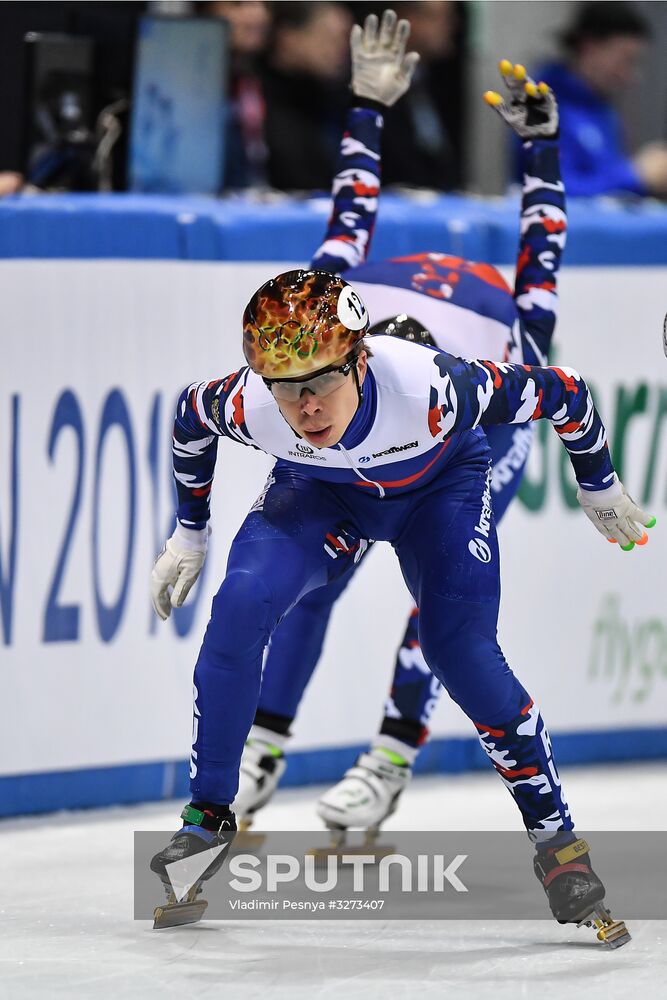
(311, 377)
(464, 308)
(331, 394)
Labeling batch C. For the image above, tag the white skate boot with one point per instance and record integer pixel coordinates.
(368, 793)
(262, 766)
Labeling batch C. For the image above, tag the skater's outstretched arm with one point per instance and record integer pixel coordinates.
(483, 393)
(381, 73)
(533, 115)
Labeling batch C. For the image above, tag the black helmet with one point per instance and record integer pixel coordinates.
(405, 327)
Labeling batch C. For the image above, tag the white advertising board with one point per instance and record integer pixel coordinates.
(94, 354)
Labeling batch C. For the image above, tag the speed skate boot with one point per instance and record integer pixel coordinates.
(575, 892)
(367, 794)
(183, 865)
(262, 766)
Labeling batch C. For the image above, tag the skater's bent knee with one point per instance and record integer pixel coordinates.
(457, 650)
(473, 670)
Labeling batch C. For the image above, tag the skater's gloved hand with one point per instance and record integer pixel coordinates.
(177, 567)
(532, 111)
(381, 70)
(616, 515)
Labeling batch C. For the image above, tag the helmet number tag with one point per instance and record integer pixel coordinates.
(351, 310)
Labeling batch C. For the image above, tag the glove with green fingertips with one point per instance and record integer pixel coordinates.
(616, 515)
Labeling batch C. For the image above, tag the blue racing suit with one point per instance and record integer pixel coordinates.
(412, 469)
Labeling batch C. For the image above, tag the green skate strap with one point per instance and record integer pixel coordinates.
(192, 815)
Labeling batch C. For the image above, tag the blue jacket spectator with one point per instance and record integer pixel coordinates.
(593, 158)
(604, 46)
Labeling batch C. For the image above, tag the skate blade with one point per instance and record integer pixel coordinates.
(339, 846)
(177, 914)
(612, 933)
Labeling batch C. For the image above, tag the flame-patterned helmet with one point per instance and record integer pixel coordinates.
(300, 322)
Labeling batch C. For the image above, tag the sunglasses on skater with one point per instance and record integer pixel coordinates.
(323, 384)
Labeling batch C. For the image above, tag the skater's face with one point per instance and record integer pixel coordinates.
(319, 414)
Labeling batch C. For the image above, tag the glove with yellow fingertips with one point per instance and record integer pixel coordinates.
(532, 111)
(381, 69)
(177, 567)
(616, 515)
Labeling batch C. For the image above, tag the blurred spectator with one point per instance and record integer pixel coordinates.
(604, 47)
(246, 151)
(417, 146)
(306, 92)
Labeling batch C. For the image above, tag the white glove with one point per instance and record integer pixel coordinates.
(381, 71)
(178, 567)
(532, 111)
(614, 514)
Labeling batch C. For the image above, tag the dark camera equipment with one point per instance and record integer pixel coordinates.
(59, 141)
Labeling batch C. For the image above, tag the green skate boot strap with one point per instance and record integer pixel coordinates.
(394, 757)
(269, 741)
(192, 815)
(270, 748)
(400, 753)
(206, 818)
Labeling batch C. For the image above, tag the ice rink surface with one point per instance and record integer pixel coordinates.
(67, 927)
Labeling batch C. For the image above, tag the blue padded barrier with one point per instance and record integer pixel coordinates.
(197, 228)
(601, 232)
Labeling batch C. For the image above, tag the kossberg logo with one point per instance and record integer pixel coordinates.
(477, 546)
(479, 549)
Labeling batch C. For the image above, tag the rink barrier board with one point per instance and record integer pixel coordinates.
(129, 784)
(197, 228)
(132, 227)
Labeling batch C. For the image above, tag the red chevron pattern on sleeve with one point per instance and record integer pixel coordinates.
(205, 412)
(356, 188)
(468, 394)
(543, 233)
